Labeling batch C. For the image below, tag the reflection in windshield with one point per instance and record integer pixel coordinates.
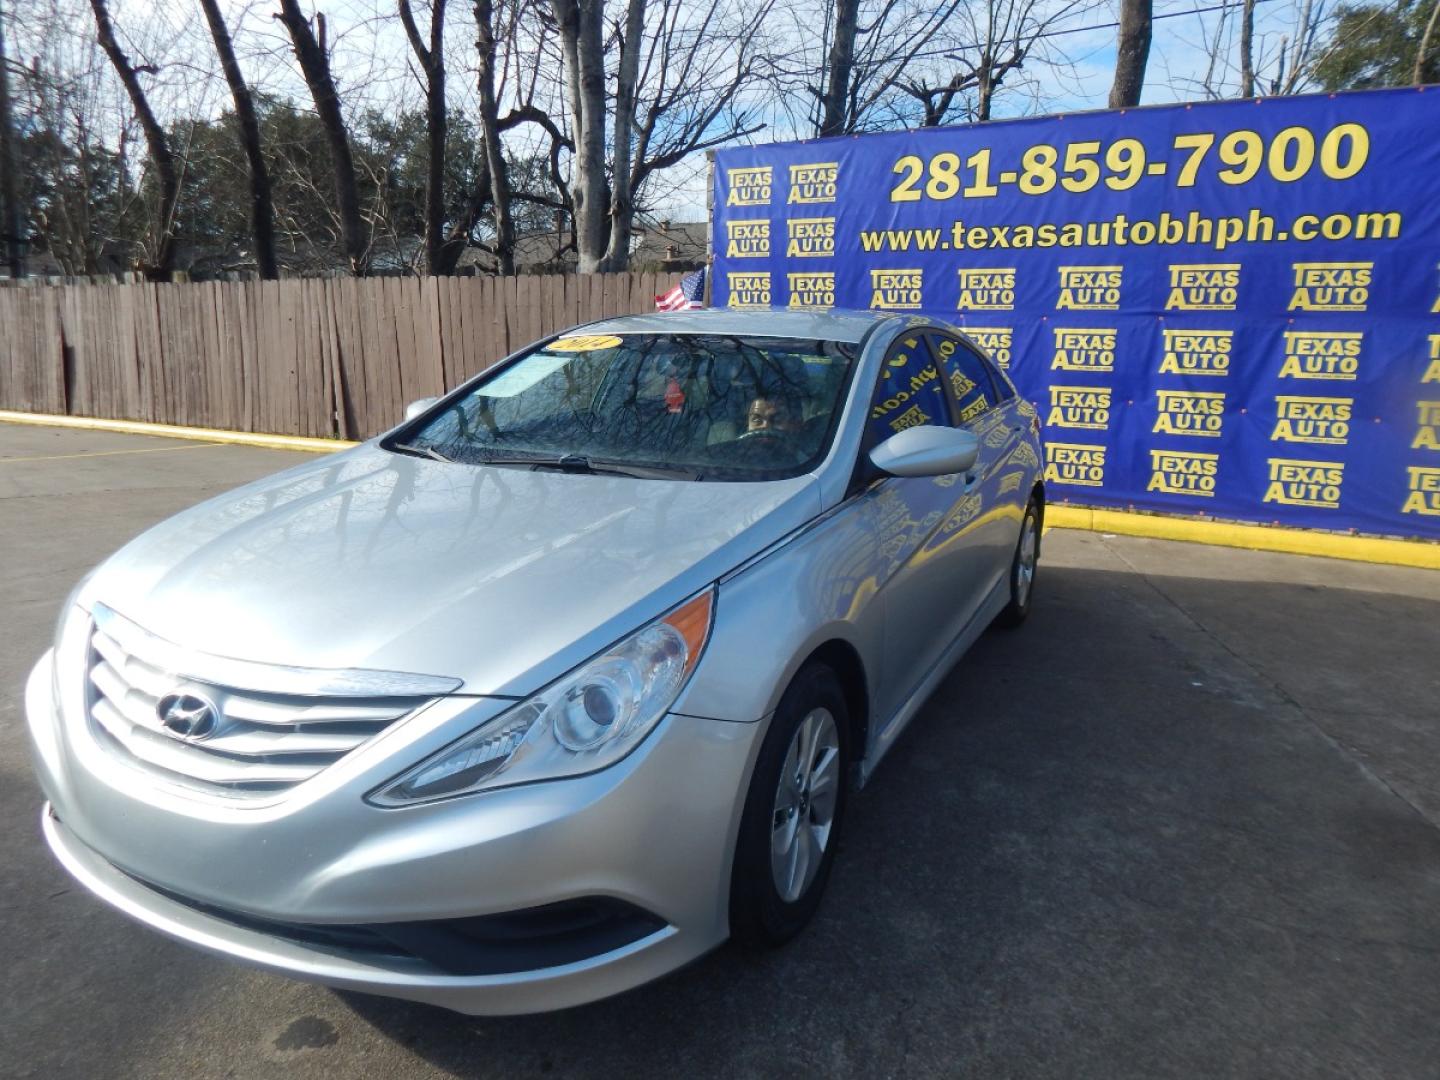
(711, 406)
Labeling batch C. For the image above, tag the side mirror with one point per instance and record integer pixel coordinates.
(415, 408)
(927, 451)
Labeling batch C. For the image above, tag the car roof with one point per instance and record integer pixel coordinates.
(820, 324)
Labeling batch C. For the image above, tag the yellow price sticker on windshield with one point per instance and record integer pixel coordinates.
(589, 343)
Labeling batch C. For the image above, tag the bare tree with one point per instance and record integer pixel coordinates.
(1132, 53)
(1423, 50)
(582, 111)
(999, 37)
(1247, 50)
(835, 110)
(431, 58)
(59, 105)
(1297, 54)
(1242, 61)
(581, 39)
(262, 201)
(686, 82)
(622, 202)
(166, 174)
(314, 61)
(522, 67)
(10, 210)
(518, 68)
(680, 76)
(867, 53)
(496, 166)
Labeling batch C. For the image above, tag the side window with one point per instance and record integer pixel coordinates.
(1004, 388)
(999, 378)
(969, 377)
(908, 393)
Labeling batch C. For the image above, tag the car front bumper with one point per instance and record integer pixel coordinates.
(655, 831)
(493, 995)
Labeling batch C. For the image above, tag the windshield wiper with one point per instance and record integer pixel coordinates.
(580, 463)
(423, 451)
(649, 472)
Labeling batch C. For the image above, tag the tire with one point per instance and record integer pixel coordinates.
(775, 888)
(1022, 583)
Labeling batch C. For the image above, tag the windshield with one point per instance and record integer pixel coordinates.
(700, 406)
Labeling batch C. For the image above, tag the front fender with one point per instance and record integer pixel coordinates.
(821, 585)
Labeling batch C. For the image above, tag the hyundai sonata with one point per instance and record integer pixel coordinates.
(559, 684)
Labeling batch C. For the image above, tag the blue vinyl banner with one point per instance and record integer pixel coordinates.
(1230, 309)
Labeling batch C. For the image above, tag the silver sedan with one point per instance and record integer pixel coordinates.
(561, 683)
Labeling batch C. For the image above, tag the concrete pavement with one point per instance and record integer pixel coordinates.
(1186, 822)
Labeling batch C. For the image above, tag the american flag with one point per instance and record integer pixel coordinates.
(690, 293)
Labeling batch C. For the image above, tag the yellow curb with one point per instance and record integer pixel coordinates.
(1417, 553)
(171, 431)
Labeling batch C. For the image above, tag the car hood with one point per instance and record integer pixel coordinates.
(503, 578)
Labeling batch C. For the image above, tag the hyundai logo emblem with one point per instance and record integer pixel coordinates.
(188, 716)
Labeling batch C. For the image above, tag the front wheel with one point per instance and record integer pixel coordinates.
(792, 813)
(1022, 570)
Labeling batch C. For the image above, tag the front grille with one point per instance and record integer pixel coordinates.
(262, 742)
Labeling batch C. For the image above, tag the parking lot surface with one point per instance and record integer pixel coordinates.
(1186, 822)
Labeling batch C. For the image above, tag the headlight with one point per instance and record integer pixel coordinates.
(585, 721)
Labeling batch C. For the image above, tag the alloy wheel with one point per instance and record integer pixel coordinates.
(805, 801)
(1026, 560)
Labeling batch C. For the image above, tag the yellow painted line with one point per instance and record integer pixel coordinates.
(171, 431)
(1417, 553)
(109, 453)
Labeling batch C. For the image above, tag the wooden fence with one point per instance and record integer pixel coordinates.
(322, 357)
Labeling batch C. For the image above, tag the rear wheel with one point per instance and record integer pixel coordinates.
(1022, 569)
(792, 813)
